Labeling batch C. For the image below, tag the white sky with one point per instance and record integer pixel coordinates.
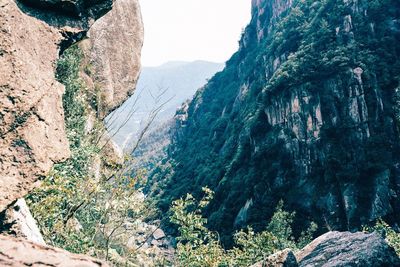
(188, 30)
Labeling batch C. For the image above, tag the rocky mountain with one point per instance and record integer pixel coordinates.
(171, 83)
(303, 112)
(32, 101)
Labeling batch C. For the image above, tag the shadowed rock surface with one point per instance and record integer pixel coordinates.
(348, 249)
(79, 14)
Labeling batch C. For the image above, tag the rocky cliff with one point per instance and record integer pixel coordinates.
(33, 136)
(303, 112)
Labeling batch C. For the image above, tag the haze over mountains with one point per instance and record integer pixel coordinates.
(170, 84)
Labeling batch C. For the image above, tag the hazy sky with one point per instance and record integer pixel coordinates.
(192, 29)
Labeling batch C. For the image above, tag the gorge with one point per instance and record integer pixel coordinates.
(296, 138)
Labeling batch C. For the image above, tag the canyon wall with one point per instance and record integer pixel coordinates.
(303, 112)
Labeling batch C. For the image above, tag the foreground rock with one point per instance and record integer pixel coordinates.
(32, 131)
(348, 249)
(18, 221)
(337, 249)
(32, 134)
(19, 252)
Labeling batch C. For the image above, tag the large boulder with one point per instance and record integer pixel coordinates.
(113, 52)
(348, 249)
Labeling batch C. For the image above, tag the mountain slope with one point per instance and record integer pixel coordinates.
(302, 112)
(173, 83)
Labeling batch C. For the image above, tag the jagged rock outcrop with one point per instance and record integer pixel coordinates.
(31, 115)
(303, 112)
(348, 249)
(18, 221)
(19, 252)
(113, 52)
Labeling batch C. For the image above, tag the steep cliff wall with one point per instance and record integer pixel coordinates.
(32, 123)
(302, 112)
(31, 114)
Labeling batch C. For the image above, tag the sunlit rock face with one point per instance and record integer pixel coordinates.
(113, 51)
(20, 252)
(33, 34)
(303, 112)
(18, 221)
(31, 114)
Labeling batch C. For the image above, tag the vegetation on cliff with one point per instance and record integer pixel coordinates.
(77, 209)
(304, 110)
(318, 57)
(199, 246)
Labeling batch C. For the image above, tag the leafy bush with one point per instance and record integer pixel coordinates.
(198, 246)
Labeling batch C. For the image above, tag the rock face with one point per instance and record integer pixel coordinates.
(113, 52)
(18, 221)
(31, 114)
(348, 249)
(32, 131)
(303, 111)
(338, 249)
(19, 252)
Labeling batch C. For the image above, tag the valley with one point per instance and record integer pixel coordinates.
(287, 154)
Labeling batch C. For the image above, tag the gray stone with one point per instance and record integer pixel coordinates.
(348, 249)
(155, 243)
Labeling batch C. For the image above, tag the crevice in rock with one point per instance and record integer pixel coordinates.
(71, 37)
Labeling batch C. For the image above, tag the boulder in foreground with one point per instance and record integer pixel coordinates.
(19, 252)
(348, 249)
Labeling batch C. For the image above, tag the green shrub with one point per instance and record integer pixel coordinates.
(198, 246)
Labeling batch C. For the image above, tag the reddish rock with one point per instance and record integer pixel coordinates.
(19, 252)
